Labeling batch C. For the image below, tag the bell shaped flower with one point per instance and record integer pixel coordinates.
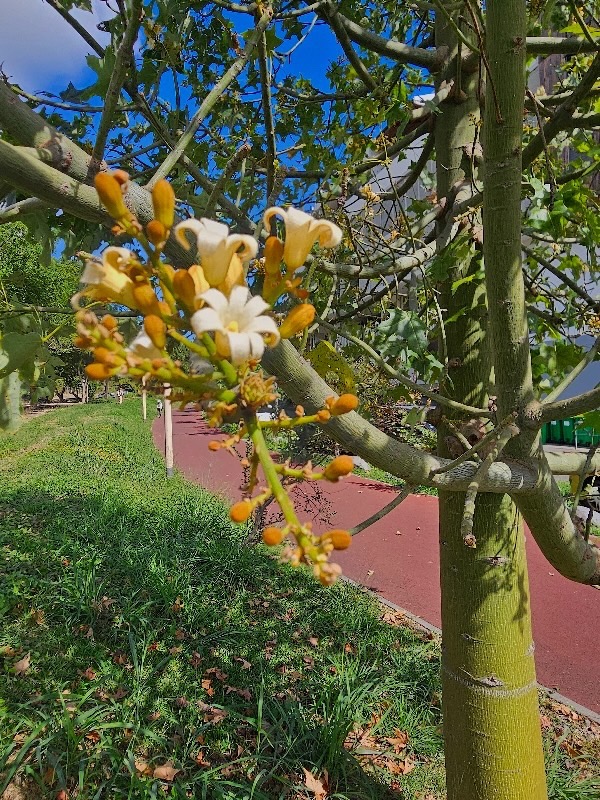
(143, 347)
(238, 322)
(301, 233)
(216, 246)
(107, 279)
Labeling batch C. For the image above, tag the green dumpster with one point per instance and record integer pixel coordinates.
(555, 432)
(585, 436)
(568, 427)
(545, 432)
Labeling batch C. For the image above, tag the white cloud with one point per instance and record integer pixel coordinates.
(38, 48)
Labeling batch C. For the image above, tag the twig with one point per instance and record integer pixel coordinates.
(582, 25)
(486, 63)
(265, 82)
(123, 58)
(455, 431)
(474, 449)
(400, 497)
(211, 99)
(77, 26)
(466, 526)
(586, 465)
(342, 36)
(551, 178)
(231, 166)
(404, 379)
(577, 370)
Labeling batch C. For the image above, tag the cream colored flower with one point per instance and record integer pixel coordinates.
(238, 322)
(143, 347)
(301, 233)
(216, 247)
(107, 280)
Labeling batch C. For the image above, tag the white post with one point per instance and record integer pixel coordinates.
(144, 399)
(168, 432)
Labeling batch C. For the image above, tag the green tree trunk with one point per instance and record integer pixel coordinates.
(492, 734)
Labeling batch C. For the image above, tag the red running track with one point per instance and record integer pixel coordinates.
(397, 557)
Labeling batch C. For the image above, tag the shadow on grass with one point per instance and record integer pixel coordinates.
(155, 635)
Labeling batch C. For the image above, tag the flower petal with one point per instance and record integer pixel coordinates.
(93, 272)
(117, 257)
(237, 303)
(207, 319)
(240, 347)
(257, 345)
(143, 347)
(249, 246)
(263, 325)
(217, 300)
(328, 233)
(193, 225)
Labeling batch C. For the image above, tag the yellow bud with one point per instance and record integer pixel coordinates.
(83, 342)
(156, 330)
(340, 466)
(344, 404)
(273, 254)
(121, 177)
(98, 372)
(106, 357)
(323, 415)
(145, 299)
(184, 287)
(110, 193)
(163, 200)
(240, 512)
(272, 536)
(156, 232)
(297, 320)
(340, 539)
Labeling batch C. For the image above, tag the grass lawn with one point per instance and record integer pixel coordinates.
(147, 651)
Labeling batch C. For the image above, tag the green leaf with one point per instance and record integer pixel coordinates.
(18, 351)
(325, 359)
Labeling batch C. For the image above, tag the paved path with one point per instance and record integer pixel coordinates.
(398, 558)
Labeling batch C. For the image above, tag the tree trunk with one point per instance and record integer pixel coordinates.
(492, 736)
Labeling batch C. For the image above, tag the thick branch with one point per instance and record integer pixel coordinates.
(562, 409)
(566, 46)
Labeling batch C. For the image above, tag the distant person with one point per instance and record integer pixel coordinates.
(159, 407)
(120, 395)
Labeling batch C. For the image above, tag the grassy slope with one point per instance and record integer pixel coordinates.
(127, 589)
(134, 596)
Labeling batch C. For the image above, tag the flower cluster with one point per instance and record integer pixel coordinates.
(213, 310)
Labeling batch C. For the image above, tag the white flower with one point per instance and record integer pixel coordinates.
(143, 347)
(301, 232)
(107, 280)
(216, 246)
(238, 323)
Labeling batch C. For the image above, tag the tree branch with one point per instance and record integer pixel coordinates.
(77, 26)
(566, 46)
(211, 99)
(341, 34)
(400, 497)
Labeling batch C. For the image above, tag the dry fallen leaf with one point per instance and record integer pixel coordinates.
(195, 660)
(398, 741)
(166, 772)
(313, 641)
(21, 667)
(207, 686)
(89, 674)
(243, 663)
(318, 786)
(142, 767)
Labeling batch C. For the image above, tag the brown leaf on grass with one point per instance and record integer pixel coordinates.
(218, 673)
(201, 760)
(174, 651)
(243, 663)
(318, 786)
(177, 606)
(215, 715)
(245, 693)
(89, 674)
(92, 736)
(166, 772)
(6, 651)
(22, 666)
(208, 687)
(545, 722)
(401, 767)
(142, 767)
(313, 641)
(182, 702)
(180, 634)
(119, 693)
(195, 660)
(120, 658)
(153, 716)
(398, 741)
(38, 617)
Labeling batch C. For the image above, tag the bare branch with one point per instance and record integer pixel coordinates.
(400, 497)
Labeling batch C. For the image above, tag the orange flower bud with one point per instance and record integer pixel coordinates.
(240, 512)
(344, 404)
(83, 342)
(109, 190)
(156, 232)
(340, 466)
(164, 308)
(109, 322)
(273, 254)
(145, 299)
(297, 320)
(184, 287)
(340, 539)
(121, 177)
(214, 446)
(163, 200)
(97, 372)
(156, 330)
(323, 415)
(106, 357)
(272, 536)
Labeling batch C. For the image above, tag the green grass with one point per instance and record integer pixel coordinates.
(133, 595)
(156, 636)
